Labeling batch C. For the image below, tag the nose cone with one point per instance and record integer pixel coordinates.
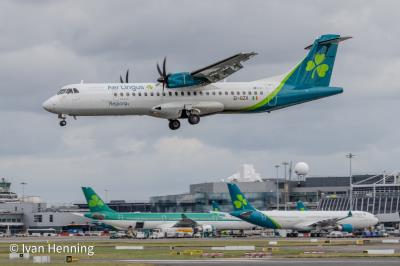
(376, 220)
(49, 105)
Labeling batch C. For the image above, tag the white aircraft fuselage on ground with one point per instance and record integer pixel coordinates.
(193, 95)
(299, 220)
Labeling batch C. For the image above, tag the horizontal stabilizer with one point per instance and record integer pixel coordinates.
(333, 40)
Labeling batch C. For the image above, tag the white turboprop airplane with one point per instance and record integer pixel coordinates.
(198, 93)
(347, 221)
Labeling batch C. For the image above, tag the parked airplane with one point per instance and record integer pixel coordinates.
(157, 220)
(199, 93)
(299, 220)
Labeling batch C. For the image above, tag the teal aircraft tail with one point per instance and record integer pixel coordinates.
(245, 211)
(307, 81)
(300, 206)
(239, 201)
(316, 68)
(95, 203)
(215, 206)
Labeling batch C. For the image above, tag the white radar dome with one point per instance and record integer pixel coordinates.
(301, 168)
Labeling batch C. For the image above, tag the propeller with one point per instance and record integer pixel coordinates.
(163, 74)
(126, 77)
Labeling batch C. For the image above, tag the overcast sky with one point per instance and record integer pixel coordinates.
(48, 44)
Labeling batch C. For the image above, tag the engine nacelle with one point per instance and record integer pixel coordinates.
(345, 228)
(183, 79)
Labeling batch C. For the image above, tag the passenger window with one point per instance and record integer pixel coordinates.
(145, 94)
(188, 93)
(232, 92)
(201, 92)
(207, 93)
(213, 93)
(163, 94)
(176, 93)
(121, 94)
(75, 90)
(133, 94)
(139, 94)
(226, 93)
(249, 92)
(244, 93)
(238, 92)
(158, 94)
(220, 92)
(127, 94)
(115, 94)
(151, 94)
(255, 92)
(170, 93)
(182, 93)
(194, 93)
(261, 92)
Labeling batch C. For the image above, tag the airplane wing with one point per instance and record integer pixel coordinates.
(222, 69)
(185, 222)
(325, 223)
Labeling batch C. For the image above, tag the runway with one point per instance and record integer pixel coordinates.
(281, 262)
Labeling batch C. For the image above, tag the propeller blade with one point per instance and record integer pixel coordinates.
(164, 69)
(120, 79)
(159, 71)
(127, 76)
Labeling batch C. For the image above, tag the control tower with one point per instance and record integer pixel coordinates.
(5, 194)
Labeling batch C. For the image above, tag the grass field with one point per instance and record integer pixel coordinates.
(105, 252)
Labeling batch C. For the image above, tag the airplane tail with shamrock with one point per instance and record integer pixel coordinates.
(316, 68)
(95, 203)
(239, 201)
(309, 80)
(245, 211)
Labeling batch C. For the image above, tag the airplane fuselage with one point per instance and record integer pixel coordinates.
(218, 220)
(308, 220)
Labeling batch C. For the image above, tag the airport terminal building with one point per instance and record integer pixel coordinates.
(378, 194)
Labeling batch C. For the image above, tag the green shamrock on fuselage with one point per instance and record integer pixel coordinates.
(240, 202)
(317, 66)
(95, 201)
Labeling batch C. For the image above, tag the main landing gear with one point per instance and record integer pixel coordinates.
(174, 124)
(194, 119)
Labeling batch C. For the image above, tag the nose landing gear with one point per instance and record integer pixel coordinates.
(63, 122)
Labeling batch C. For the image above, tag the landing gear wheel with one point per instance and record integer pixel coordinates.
(194, 119)
(174, 124)
(63, 123)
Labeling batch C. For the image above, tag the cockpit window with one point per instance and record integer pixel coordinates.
(69, 91)
(75, 90)
(61, 91)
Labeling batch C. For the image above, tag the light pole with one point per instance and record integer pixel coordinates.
(23, 189)
(350, 156)
(286, 189)
(277, 186)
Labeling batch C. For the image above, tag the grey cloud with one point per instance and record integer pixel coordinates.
(47, 44)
